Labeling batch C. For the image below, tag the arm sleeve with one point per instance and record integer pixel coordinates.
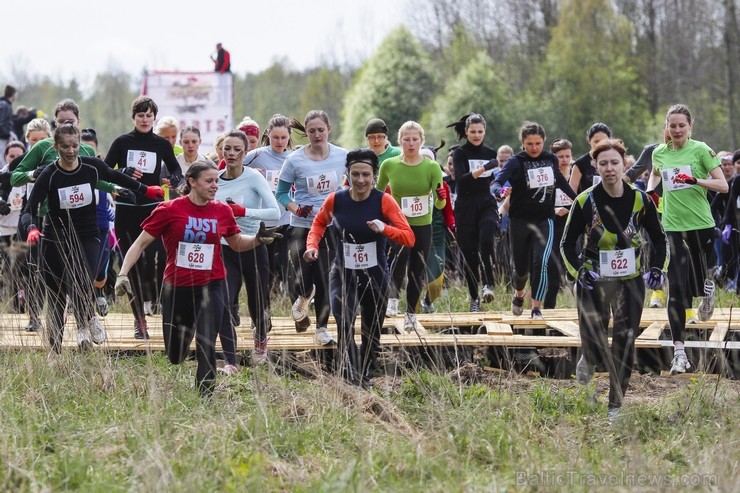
(320, 223)
(574, 227)
(30, 162)
(270, 210)
(448, 213)
(398, 230)
(382, 178)
(111, 159)
(504, 175)
(170, 161)
(729, 215)
(282, 193)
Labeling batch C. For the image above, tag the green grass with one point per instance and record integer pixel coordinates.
(93, 423)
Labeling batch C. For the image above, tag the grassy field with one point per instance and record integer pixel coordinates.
(103, 422)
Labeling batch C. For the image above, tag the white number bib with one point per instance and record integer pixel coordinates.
(415, 206)
(617, 263)
(196, 256)
(479, 163)
(541, 177)
(323, 183)
(669, 177)
(360, 255)
(76, 196)
(144, 161)
(15, 199)
(272, 176)
(561, 199)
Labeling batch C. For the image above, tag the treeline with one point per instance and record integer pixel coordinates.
(565, 64)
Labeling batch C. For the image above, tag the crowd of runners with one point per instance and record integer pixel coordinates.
(348, 232)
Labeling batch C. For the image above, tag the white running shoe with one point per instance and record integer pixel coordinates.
(680, 363)
(657, 299)
(613, 414)
(706, 305)
(428, 308)
(409, 322)
(301, 306)
(584, 371)
(97, 331)
(229, 370)
(148, 308)
(101, 304)
(259, 355)
(392, 309)
(487, 294)
(322, 337)
(83, 338)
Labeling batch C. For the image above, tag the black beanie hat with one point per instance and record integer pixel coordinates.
(376, 126)
(736, 156)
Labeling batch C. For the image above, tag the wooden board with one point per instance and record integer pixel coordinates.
(653, 331)
(565, 327)
(499, 329)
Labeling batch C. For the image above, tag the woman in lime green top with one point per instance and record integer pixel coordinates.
(415, 182)
(687, 168)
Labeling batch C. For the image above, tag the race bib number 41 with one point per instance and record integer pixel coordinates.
(76, 196)
(617, 263)
(196, 256)
(144, 161)
(323, 183)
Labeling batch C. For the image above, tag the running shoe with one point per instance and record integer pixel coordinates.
(301, 305)
(613, 414)
(475, 305)
(392, 309)
(83, 338)
(259, 356)
(148, 308)
(302, 325)
(657, 299)
(536, 314)
(409, 322)
(34, 325)
(229, 370)
(427, 307)
(101, 305)
(680, 363)
(706, 305)
(584, 371)
(141, 330)
(487, 294)
(322, 337)
(517, 304)
(97, 331)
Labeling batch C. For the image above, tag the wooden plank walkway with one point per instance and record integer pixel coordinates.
(559, 329)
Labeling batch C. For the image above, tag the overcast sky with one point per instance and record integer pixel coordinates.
(62, 39)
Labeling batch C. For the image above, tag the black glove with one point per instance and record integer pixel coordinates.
(268, 235)
(304, 210)
(5, 176)
(493, 163)
(129, 171)
(4, 208)
(37, 172)
(587, 278)
(124, 195)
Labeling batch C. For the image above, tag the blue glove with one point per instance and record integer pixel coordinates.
(654, 279)
(587, 278)
(726, 234)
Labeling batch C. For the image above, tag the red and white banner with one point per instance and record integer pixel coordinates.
(202, 99)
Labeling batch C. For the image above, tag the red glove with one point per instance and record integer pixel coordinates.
(238, 210)
(684, 178)
(154, 192)
(442, 193)
(654, 196)
(304, 210)
(33, 236)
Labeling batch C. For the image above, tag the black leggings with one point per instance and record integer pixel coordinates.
(687, 271)
(277, 255)
(531, 246)
(146, 275)
(411, 263)
(368, 290)
(251, 266)
(69, 269)
(556, 272)
(476, 219)
(305, 274)
(625, 300)
(189, 311)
